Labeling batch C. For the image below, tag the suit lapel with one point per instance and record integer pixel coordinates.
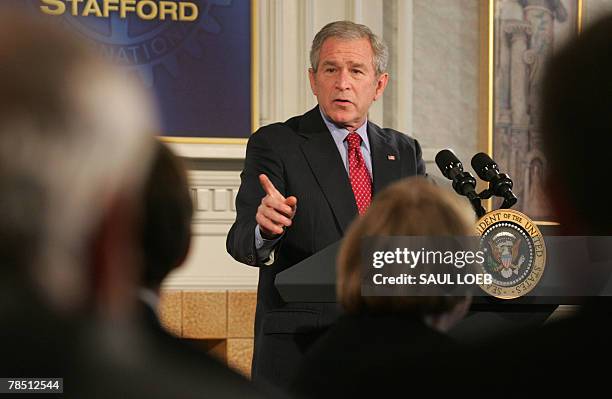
(326, 164)
(385, 159)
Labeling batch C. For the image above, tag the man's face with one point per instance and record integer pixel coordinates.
(345, 82)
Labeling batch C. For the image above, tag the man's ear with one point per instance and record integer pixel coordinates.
(381, 83)
(311, 77)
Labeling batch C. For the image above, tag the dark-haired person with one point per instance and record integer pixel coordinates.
(166, 238)
(166, 227)
(576, 140)
(381, 339)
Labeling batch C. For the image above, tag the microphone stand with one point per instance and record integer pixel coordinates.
(465, 178)
(475, 201)
(488, 193)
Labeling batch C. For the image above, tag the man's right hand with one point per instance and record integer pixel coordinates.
(275, 211)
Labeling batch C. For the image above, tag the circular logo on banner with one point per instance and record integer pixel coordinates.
(136, 42)
(515, 254)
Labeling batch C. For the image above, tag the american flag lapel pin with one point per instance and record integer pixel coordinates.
(391, 157)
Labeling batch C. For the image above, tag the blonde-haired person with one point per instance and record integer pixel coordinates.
(380, 339)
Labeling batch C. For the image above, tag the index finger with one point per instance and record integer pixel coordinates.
(268, 187)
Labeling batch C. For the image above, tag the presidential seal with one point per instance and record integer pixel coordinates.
(515, 254)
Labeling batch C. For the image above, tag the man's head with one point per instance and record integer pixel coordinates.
(577, 129)
(75, 144)
(348, 71)
(167, 218)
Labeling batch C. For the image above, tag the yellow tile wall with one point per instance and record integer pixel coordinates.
(222, 320)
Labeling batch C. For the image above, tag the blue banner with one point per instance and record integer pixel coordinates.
(194, 55)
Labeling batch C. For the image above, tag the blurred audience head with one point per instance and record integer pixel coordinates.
(75, 146)
(167, 218)
(577, 129)
(410, 207)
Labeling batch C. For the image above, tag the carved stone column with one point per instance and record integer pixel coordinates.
(510, 14)
(502, 79)
(542, 23)
(541, 14)
(518, 32)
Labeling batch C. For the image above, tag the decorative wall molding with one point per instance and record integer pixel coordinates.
(270, 47)
(214, 197)
(211, 283)
(210, 151)
(398, 34)
(306, 32)
(354, 10)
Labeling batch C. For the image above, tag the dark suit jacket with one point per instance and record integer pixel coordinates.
(301, 159)
(103, 358)
(369, 355)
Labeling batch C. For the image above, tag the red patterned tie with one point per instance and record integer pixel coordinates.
(358, 172)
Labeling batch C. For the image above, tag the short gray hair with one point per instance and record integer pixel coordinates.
(348, 30)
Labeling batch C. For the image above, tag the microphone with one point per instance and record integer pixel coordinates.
(500, 184)
(463, 182)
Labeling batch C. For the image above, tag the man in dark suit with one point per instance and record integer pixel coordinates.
(306, 179)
